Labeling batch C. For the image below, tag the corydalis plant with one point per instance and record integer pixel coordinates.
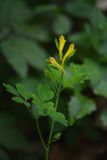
(45, 101)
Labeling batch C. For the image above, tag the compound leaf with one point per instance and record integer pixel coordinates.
(45, 93)
(77, 74)
(22, 90)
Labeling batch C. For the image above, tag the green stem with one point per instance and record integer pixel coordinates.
(52, 126)
(46, 154)
(40, 135)
(47, 147)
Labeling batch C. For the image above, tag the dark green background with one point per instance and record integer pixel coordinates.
(27, 32)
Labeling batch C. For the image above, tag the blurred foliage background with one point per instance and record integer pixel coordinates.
(27, 32)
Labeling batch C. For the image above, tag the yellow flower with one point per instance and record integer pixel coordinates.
(70, 52)
(63, 58)
(56, 64)
(60, 45)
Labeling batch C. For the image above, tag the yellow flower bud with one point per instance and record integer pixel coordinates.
(68, 54)
(60, 45)
(56, 64)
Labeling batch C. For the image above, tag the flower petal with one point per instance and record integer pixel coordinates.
(68, 54)
(61, 46)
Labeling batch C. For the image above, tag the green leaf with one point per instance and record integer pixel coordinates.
(13, 52)
(82, 9)
(37, 32)
(101, 88)
(62, 24)
(22, 90)
(47, 75)
(27, 104)
(11, 89)
(20, 51)
(37, 55)
(99, 80)
(41, 101)
(102, 48)
(37, 109)
(16, 17)
(9, 12)
(48, 105)
(92, 68)
(80, 106)
(19, 91)
(18, 99)
(45, 93)
(56, 116)
(41, 9)
(79, 9)
(97, 19)
(46, 108)
(53, 74)
(76, 75)
(56, 137)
